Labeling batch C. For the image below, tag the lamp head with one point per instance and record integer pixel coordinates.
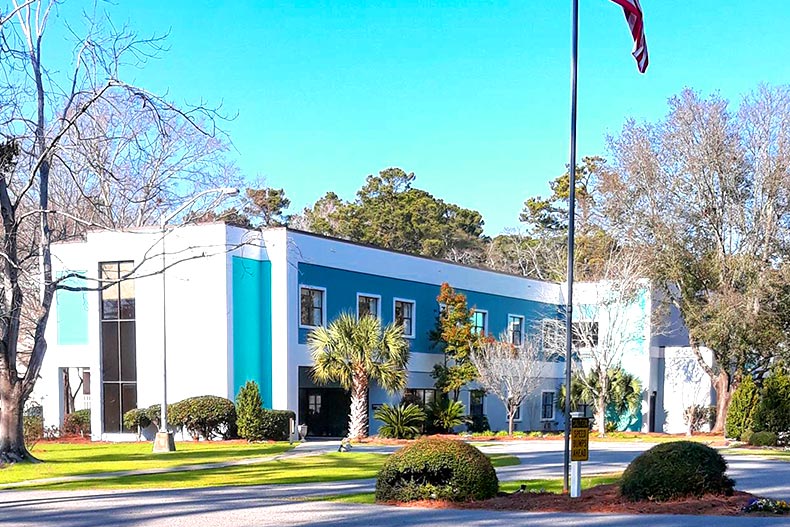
(229, 191)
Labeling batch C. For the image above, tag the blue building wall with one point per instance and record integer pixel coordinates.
(252, 325)
(72, 311)
(341, 295)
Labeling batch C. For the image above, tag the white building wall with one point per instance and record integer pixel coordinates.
(197, 316)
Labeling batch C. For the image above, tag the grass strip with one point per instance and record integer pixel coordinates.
(293, 470)
(74, 459)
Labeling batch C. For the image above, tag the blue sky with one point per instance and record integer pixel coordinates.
(471, 96)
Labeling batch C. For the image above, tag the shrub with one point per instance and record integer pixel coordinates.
(400, 422)
(763, 439)
(77, 423)
(477, 424)
(249, 409)
(675, 470)
(444, 415)
(154, 412)
(773, 411)
(276, 425)
(136, 419)
(433, 468)
(696, 416)
(33, 429)
(746, 436)
(206, 415)
(740, 416)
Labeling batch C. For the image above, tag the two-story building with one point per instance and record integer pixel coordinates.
(235, 305)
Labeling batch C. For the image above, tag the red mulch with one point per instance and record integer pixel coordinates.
(601, 499)
(711, 439)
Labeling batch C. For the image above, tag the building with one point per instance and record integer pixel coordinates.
(237, 305)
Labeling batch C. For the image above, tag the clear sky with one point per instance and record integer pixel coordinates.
(473, 97)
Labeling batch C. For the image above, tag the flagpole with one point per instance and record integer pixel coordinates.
(571, 231)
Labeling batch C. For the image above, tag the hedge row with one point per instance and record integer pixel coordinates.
(209, 417)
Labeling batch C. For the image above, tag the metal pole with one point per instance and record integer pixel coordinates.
(164, 441)
(571, 231)
(163, 424)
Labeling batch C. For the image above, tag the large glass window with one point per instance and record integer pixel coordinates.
(118, 344)
(547, 406)
(404, 315)
(479, 322)
(367, 305)
(312, 307)
(515, 329)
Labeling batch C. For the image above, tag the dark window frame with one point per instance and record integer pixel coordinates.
(119, 362)
(321, 293)
(406, 321)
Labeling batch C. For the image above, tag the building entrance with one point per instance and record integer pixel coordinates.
(323, 408)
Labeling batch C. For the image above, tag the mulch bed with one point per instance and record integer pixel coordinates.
(601, 499)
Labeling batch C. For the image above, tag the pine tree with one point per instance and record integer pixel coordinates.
(249, 409)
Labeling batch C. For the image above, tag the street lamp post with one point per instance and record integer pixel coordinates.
(164, 441)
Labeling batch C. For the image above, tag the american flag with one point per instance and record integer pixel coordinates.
(633, 14)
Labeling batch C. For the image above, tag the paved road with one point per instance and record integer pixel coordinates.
(278, 505)
(265, 506)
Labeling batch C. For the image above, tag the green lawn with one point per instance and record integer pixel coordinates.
(64, 459)
(548, 485)
(773, 453)
(555, 485)
(327, 467)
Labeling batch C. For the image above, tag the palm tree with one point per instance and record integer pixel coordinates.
(352, 353)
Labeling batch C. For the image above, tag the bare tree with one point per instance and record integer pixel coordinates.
(706, 191)
(510, 372)
(60, 143)
(607, 323)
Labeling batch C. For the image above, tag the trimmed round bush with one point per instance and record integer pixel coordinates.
(77, 423)
(439, 469)
(136, 419)
(275, 424)
(676, 470)
(763, 439)
(205, 415)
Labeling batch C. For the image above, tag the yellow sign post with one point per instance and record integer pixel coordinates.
(580, 439)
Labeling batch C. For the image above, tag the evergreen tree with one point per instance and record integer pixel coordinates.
(249, 409)
(740, 416)
(773, 411)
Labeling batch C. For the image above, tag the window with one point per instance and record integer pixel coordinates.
(422, 397)
(118, 345)
(476, 401)
(314, 404)
(404, 315)
(515, 329)
(547, 406)
(585, 334)
(479, 322)
(86, 382)
(311, 306)
(368, 305)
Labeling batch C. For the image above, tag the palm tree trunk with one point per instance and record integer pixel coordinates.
(358, 420)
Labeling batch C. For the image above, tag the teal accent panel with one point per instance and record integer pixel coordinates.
(72, 310)
(252, 325)
(341, 295)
